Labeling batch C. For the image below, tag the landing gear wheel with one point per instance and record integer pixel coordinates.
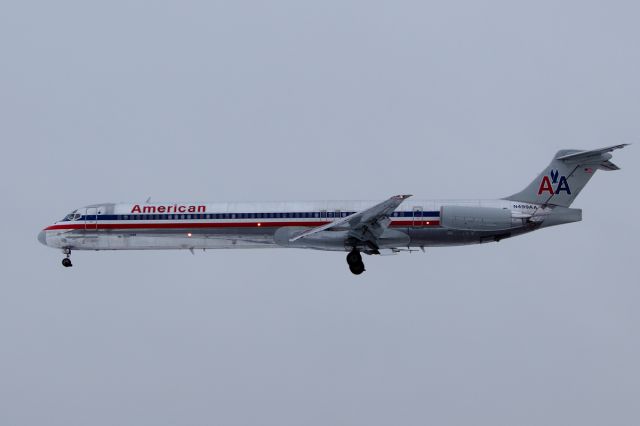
(357, 268)
(354, 259)
(66, 262)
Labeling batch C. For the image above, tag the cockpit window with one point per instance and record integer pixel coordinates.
(74, 215)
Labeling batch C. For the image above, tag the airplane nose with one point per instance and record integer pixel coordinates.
(42, 237)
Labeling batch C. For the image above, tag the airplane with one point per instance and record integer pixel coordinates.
(356, 227)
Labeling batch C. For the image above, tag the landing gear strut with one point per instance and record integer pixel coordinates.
(354, 259)
(66, 262)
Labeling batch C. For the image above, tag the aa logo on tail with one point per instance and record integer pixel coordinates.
(554, 178)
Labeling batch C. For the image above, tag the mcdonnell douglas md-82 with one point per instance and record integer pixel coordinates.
(355, 227)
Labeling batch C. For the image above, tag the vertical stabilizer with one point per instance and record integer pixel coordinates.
(567, 174)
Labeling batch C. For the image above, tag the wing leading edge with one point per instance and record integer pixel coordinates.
(365, 225)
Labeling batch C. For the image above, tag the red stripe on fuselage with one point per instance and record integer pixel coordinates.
(137, 225)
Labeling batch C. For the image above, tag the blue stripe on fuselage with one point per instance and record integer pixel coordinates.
(223, 216)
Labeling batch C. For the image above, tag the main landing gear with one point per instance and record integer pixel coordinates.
(354, 259)
(66, 262)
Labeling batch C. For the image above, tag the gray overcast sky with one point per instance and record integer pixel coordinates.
(118, 101)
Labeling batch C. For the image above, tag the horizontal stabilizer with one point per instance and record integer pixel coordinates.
(608, 166)
(585, 156)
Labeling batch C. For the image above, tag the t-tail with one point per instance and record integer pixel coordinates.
(562, 180)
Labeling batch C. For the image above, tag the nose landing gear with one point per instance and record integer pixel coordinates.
(66, 262)
(354, 259)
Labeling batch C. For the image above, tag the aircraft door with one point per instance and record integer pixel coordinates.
(418, 216)
(91, 218)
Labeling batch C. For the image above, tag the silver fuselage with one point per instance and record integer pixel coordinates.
(158, 226)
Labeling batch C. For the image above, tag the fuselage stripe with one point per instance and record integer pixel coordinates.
(227, 216)
(91, 226)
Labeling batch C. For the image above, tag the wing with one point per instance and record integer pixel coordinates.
(365, 225)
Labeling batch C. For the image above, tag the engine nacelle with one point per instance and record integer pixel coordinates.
(469, 218)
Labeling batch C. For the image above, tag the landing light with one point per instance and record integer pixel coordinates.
(189, 234)
(259, 224)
